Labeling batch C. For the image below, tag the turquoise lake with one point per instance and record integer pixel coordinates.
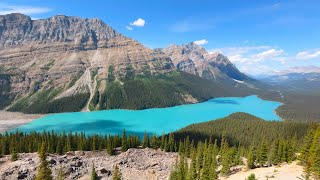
(157, 120)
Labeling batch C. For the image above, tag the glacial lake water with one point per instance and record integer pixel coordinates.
(157, 120)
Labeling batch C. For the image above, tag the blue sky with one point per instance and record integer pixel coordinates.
(260, 36)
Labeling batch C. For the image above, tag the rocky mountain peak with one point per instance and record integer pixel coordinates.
(18, 29)
(15, 17)
(195, 59)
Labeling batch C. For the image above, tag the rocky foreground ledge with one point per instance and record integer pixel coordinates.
(134, 164)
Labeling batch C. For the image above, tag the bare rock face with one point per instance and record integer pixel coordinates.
(194, 59)
(53, 52)
(135, 164)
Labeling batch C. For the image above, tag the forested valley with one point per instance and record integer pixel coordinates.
(208, 145)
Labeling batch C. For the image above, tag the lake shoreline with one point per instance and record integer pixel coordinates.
(153, 120)
(10, 120)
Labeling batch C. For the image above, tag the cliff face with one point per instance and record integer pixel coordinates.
(78, 33)
(45, 53)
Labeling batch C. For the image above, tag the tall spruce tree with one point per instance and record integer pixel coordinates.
(44, 172)
(124, 146)
(116, 173)
(263, 153)
(154, 141)
(60, 174)
(145, 140)
(14, 155)
(251, 157)
(192, 172)
(199, 158)
(94, 175)
(226, 162)
(273, 154)
(110, 146)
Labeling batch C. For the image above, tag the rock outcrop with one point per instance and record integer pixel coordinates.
(137, 164)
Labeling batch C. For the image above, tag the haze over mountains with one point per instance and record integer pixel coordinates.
(296, 79)
(64, 56)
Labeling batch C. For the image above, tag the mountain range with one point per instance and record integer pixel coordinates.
(295, 81)
(65, 63)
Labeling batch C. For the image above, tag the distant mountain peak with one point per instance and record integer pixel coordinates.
(299, 69)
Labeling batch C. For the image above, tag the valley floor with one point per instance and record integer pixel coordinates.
(10, 120)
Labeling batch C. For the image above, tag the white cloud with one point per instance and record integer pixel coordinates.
(261, 60)
(308, 54)
(201, 42)
(28, 10)
(139, 23)
(129, 28)
(241, 54)
(269, 54)
(254, 59)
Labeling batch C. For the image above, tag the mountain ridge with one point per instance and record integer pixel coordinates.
(63, 59)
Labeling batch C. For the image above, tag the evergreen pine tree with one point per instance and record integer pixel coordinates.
(14, 155)
(316, 163)
(171, 143)
(205, 172)
(226, 161)
(162, 145)
(315, 154)
(116, 173)
(251, 157)
(60, 174)
(145, 140)
(199, 158)
(263, 153)
(124, 146)
(213, 166)
(182, 168)
(94, 175)
(187, 146)
(192, 173)
(305, 151)
(44, 172)
(154, 141)
(110, 147)
(251, 177)
(273, 157)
